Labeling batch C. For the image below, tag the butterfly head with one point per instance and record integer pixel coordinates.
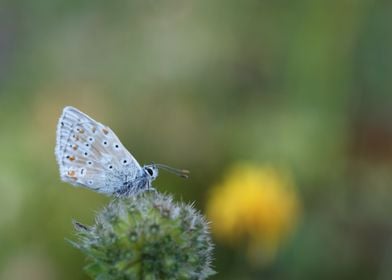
(151, 170)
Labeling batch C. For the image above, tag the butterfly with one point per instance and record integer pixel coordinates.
(89, 154)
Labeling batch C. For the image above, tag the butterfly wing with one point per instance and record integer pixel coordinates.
(89, 154)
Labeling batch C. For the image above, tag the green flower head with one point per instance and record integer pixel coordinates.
(147, 236)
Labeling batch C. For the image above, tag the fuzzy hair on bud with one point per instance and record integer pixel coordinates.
(147, 236)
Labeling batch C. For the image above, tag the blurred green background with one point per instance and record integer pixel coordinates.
(305, 85)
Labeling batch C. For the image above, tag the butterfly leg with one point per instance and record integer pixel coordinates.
(152, 189)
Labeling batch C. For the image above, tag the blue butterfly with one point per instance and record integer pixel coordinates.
(90, 154)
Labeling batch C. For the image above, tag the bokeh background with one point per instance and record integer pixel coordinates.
(294, 95)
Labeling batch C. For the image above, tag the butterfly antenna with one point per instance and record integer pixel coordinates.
(179, 172)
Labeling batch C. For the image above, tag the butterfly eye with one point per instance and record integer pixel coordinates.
(124, 161)
(149, 171)
(89, 162)
(85, 153)
(105, 143)
(116, 146)
(90, 182)
(110, 166)
(91, 139)
(87, 145)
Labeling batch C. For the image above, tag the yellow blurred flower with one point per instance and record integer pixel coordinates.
(256, 206)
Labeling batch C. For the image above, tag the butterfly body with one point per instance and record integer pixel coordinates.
(89, 154)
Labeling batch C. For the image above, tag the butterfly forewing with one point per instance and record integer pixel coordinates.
(91, 155)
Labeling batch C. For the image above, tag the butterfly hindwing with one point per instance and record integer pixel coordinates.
(90, 154)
